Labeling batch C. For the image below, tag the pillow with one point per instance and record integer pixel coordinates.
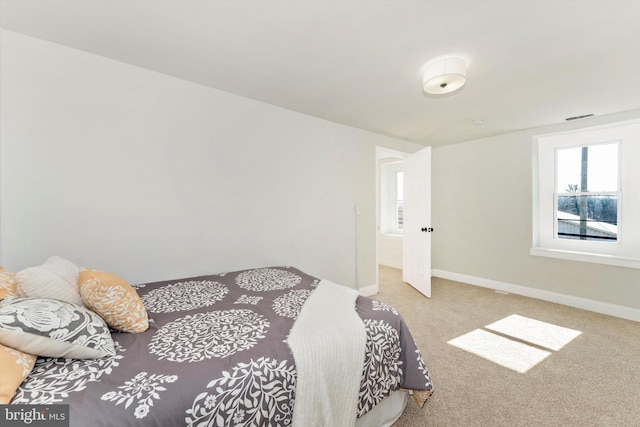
(16, 365)
(57, 278)
(8, 284)
(53, 328)
(114, 300)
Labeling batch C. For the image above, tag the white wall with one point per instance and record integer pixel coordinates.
(390, 250)
(482, 214)
(151, 177)
(390, 247)
(1, 97)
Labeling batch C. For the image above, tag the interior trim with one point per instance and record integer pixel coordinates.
(620, 311)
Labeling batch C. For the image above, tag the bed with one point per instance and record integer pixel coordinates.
(219, 351)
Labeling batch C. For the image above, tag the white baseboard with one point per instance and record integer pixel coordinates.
(572, 301)
(367, 291)
(390, 263)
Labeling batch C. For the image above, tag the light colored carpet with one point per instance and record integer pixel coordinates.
(593, 380)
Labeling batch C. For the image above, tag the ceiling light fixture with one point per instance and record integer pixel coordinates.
(444, 75)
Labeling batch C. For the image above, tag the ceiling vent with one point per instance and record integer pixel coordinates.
(578, 117)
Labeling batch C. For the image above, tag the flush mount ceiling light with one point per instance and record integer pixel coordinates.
(444, 75)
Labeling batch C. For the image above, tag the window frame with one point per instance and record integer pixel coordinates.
(389, 187)
(617, 193)
(625, 251)
(399, 198)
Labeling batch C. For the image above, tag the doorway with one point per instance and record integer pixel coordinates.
(389, 207)
(403, 227)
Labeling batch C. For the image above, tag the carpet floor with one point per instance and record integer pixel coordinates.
(506, 360)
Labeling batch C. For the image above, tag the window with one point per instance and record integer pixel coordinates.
(399, 196)
(587, 197)
(392, 203)
(587, 192)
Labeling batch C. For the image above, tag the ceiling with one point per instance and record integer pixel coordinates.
(531, 63)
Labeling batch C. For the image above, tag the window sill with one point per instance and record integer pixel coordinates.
(388, 236)
(586, 257)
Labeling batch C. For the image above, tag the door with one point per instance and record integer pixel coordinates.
(417, 221)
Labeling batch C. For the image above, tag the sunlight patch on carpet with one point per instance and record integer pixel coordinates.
(543, 334)
(516, 354)
(503, 351)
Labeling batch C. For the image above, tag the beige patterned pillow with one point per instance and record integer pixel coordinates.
(57, 279)
(114, 299)
(8, 284)
(16, 365)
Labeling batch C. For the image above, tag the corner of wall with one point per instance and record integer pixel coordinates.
(368, 291)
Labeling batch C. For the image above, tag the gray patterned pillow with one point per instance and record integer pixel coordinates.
(53, 328)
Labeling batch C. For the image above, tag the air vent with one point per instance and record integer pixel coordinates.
(578, 117)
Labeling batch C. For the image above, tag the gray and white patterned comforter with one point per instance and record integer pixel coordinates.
(216, 354)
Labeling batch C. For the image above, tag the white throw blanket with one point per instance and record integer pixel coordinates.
(328, 344)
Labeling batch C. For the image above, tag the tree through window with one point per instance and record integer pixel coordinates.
(587, 192)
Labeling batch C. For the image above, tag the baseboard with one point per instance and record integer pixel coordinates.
(367, 291)
(572, 301)
(390, 263)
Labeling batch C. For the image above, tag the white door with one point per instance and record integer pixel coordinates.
(417, 221)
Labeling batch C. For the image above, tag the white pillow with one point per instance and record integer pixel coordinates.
(57, 278)
(54, 328)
